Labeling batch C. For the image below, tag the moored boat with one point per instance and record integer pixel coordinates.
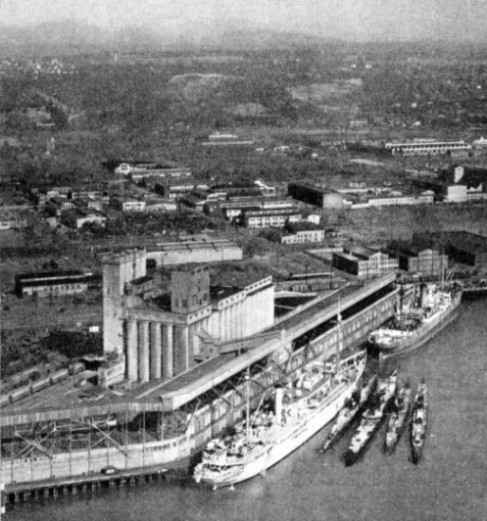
(301, 408)
(349, 412)
(411, 329)
(419, 422)
(396, 422)
(371, 418)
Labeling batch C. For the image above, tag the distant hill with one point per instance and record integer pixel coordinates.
(59, 37)
(70, 37)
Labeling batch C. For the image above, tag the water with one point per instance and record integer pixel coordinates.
(450, 482)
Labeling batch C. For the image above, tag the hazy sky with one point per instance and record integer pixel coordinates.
(351, 19)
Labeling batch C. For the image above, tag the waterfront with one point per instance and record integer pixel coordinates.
(448, 484)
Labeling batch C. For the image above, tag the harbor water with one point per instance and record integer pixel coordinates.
(449, 483)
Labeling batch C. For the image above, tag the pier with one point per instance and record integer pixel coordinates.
(157, 427)
(74, 485)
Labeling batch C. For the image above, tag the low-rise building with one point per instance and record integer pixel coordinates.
(270, 218)
(225, 139)
(462, 246)
(427, 147)
(13, 219)
(129, 204)
(111, 373)
(194, 249)
(176, 188)
(78, 218)
(52, 284)
(419, 258)
(459, 184)
(86, 194)
(364, 262)
(138, 170)
(303, 237)
(159, 205)
(393, 199)
(316, 195)
(57, 205)
(234, 207)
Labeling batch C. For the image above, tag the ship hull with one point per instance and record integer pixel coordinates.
(368, 427)
(396, 427)
(420, 336)
(339, 429)
(391, 444)
(289, 441)
(419, 424)
(351, 456)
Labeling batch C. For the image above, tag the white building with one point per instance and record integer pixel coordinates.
(427, 147)
(129, 205)
(303, 237)
(189, 251)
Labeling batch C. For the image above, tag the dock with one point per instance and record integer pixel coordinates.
(90, 483)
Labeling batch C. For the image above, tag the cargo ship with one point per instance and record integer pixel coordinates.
(413, 328)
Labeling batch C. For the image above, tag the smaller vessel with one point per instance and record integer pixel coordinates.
(371, 418)
(478, 287)
(349, 412)
(419, 421)
(396, 423)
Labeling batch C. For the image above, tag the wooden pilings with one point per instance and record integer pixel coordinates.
(91, 484)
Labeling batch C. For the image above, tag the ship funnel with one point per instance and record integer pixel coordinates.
(424, 295)
(278, 404)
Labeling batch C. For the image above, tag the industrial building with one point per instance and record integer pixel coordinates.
(160, 334)
(416, 258)
(393, 198)
(225, 139)
(461, 246)
(459, 184)
(52, 283)
(303, 237)
(142, 170)
(277, 217)
(194, 249)
(236, 206)
(427, 147)
(178, 187)
(315, 195)
(364, 262)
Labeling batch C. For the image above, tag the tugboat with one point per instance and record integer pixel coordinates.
(371, 418)
(396, 423)
(349, 412)
(419, 422)
(411, 329)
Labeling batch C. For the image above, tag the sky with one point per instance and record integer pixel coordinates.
(349, 19)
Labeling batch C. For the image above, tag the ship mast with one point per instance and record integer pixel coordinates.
(339, 343)
(247, 392)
